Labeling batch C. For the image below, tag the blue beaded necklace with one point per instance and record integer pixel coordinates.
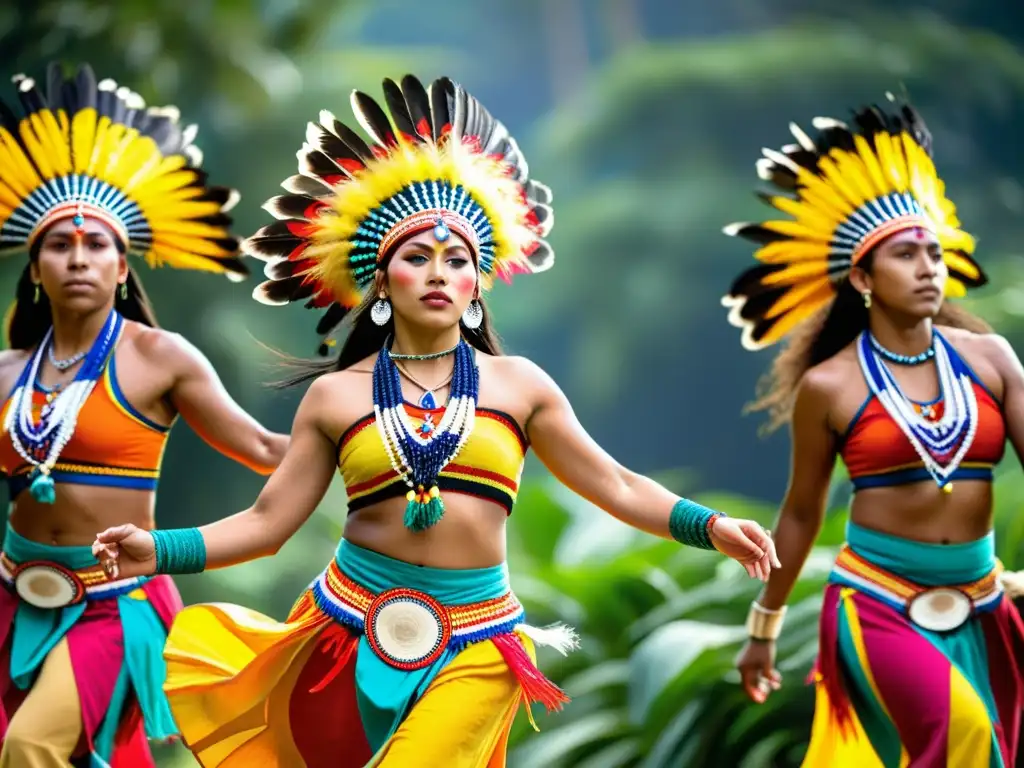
(895, 357)
(40, 443)
(419, 454)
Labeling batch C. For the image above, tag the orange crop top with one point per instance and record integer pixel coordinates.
(489, 465)
(113, 444)
(877, 453)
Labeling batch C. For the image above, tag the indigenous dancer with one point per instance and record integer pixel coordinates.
(410, 648)
(920, 647)
(92, 389)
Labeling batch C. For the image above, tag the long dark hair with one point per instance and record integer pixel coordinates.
(365, 338)
(823, 336)
(32, 319)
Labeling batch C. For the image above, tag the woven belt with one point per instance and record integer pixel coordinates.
(409, 629)
(940, 609)
(46, 584)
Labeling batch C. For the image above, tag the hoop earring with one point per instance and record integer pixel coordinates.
(473, 316)
(380, 312)
(123, 290)
(35, 294)
(867, 299)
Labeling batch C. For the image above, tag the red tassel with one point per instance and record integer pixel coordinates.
(338, 641)
(536, 687)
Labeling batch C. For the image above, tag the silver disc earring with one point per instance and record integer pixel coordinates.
(380, 312)
(473, 316)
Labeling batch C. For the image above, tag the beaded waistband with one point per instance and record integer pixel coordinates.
(348, 602)
(852, 570)
(90, 583)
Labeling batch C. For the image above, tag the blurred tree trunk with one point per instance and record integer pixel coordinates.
(565, 26)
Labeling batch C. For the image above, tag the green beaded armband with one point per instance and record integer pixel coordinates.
(690, 524)
(179, 550)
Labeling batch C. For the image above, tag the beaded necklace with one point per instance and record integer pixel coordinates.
(419, 454)
(940, 443)
(895, 357)
(40, 444)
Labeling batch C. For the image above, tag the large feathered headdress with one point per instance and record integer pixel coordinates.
(441, 161)
(84, 149)
(846, 190)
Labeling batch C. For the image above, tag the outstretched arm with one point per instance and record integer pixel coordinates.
(285, 503)
(199, 396)
(573, 457)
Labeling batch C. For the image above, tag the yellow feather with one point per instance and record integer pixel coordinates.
(181, 258)
(19, 173)
(796, 273)
(793, 229)
(852, 170)
(9, 201)
(798, 295)
(955, 289)
(820, 194)
(162, 187)
(890, 157)
(186, 228)
(809, 216)
(35, 149)
(961, 264)
(811, 304)
(792, 251)
(840, 183)
(195, 245)
(83, 133)
(49, 132)
(879, 186)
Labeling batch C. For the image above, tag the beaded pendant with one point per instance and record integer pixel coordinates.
(941, 441)
(418, 454)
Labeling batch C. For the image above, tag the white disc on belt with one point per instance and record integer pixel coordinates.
(407, 630)
(45, 587)
(940, 610)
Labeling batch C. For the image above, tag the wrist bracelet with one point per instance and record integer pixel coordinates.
(765, 623)
(179, 550)
(690, 524)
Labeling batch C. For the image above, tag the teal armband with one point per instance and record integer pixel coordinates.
(179, 550)
(690, 524)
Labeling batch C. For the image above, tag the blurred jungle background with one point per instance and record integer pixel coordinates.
(645, 117)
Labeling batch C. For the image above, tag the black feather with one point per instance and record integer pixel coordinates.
(85, 87)
(54, 84)
(441, 91)
(758, 234)
(335, 148)
(306, 185)
(418, 103)
(352, 139)
(31, 99)
(751, 284)
(316, 162)
(373, 119)
(291, 206)
(279, 292)
(395, 100)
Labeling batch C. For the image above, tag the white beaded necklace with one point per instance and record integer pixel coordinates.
(932, 440)
(57, 422)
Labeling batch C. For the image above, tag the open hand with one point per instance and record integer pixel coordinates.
(747, 543)
(125, 551)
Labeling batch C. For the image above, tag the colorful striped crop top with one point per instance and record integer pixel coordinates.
(489, 465)
(113, 444)
(877, 454)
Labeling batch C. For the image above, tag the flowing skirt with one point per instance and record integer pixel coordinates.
(892, 693)
(379, 663)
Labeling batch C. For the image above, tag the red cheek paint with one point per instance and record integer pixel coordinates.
(464, 283)
(403, 274)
